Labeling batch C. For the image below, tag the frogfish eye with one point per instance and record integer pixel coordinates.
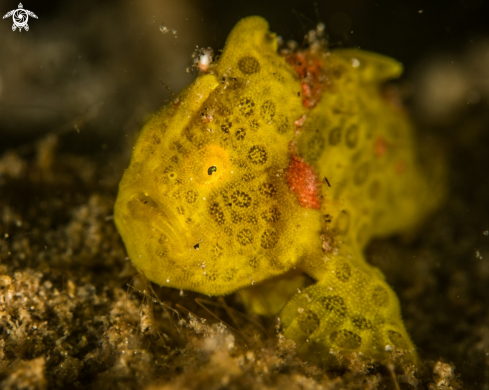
(208, 166)
(211, 170)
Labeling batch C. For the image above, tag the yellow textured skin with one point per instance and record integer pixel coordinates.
(244, 117)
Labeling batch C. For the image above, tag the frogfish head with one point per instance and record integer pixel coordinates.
(205, 204)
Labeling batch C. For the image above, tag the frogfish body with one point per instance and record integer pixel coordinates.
(281, 164)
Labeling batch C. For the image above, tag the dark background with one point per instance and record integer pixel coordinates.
(102, 60)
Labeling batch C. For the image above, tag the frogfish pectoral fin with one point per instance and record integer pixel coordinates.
(349, 309)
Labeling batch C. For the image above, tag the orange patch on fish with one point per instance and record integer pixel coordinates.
(303, 181)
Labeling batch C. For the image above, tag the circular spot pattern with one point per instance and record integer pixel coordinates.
(258, 155)
(240, 134)
(177, 194)
(235, 217)
(397, 339)
(241, 199)
(361, 323)
(226, 126)
(216, 213)
(254, 124)
(308, 321)
(380, 296)
(334, 304)
(268, 111)
(245, 237)
(315, 147)
(335, 136)
(271, 215)
(248, 65)
(212, 276)
(346, 339)
(229, 275)
(251, 219)
(254, 262)
(269, 239)
(268, 190)
(351, 136)
(246, 106)
(190, 196)
(283, 128)
(247, 177)
(343, 272)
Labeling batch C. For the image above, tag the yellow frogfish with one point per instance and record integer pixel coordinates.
(275, 165)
